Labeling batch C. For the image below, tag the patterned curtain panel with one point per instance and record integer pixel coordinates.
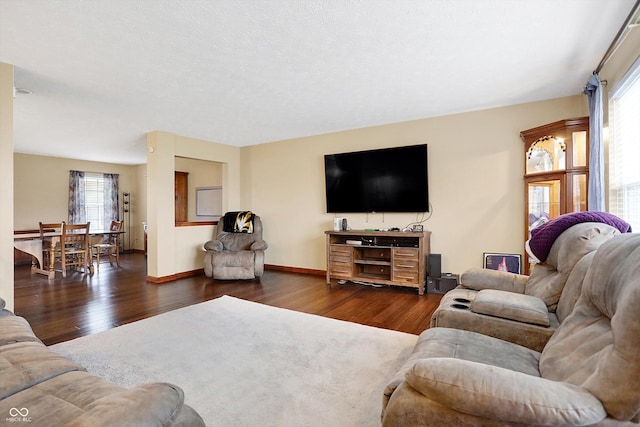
(77, 213)
(111, 211)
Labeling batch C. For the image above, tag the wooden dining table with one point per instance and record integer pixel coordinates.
(33, 244)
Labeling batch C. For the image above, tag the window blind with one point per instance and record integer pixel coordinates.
(624, 148)
(94, 200)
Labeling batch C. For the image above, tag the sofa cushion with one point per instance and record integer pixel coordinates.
(509, 305)
(25, 364)
(148, 404)
(236, 241)
(482, 278)
(525, 334)
(472, 346)
(494, 392)
(235, 259)
(82, 399)
(573, 287)
(16, 329)
(447, 342)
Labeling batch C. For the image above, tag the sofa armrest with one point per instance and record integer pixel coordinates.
(510, 305)
(214, 245)
(493, 392)
(259, 245)
(480, 278)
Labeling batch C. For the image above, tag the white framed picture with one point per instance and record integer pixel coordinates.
(209, 201)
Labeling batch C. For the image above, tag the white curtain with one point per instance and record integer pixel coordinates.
(595, 197)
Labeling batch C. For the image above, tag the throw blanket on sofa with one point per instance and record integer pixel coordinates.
(542, 237)
(238, 222)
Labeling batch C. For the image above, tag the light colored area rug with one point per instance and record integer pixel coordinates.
(242, 363)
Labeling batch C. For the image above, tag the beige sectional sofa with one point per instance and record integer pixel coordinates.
(525, 310)
(588, 373)
(39, 387)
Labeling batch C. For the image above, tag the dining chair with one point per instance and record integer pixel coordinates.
(51, 227)
(74, 245)
(110, 246)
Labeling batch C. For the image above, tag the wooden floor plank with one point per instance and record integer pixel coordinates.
(78, 305)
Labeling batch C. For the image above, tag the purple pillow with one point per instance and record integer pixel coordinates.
(542, 237)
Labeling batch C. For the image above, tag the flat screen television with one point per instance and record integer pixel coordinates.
(383, 180)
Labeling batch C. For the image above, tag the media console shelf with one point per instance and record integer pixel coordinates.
(382, 257)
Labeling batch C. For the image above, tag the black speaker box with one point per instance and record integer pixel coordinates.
(434, 269)
(442, 284)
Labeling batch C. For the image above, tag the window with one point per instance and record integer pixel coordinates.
(94, 200)
(93, 197)
(624, 148)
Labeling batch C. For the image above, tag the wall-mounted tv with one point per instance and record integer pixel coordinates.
(383, 180)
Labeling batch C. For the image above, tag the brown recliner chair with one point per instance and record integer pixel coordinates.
(522, 309)
(238, 251)
(587, 374)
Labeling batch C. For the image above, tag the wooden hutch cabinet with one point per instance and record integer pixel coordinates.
(556, 157)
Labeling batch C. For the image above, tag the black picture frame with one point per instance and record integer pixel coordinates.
(502, 262)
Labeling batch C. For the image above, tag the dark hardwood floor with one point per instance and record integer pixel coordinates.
(62, 309)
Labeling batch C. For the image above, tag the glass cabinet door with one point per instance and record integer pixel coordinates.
(544, 201)
(578, 192)
(579, 149)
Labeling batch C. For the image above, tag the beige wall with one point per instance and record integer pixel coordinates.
(6, 184)
(202, 173)
(139, 206)
(178, 249)
(41, 186)
(619, 63)
(476, 167)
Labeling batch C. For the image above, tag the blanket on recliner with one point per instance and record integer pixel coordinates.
(542, 237)
(238, 222)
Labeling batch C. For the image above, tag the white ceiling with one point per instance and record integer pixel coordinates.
(242, 72)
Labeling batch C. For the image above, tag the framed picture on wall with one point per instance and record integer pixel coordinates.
(503, 262)
(209, 202)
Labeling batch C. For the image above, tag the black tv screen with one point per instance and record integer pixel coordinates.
(384, 180)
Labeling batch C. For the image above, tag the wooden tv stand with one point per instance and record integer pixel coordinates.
(394, 258)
